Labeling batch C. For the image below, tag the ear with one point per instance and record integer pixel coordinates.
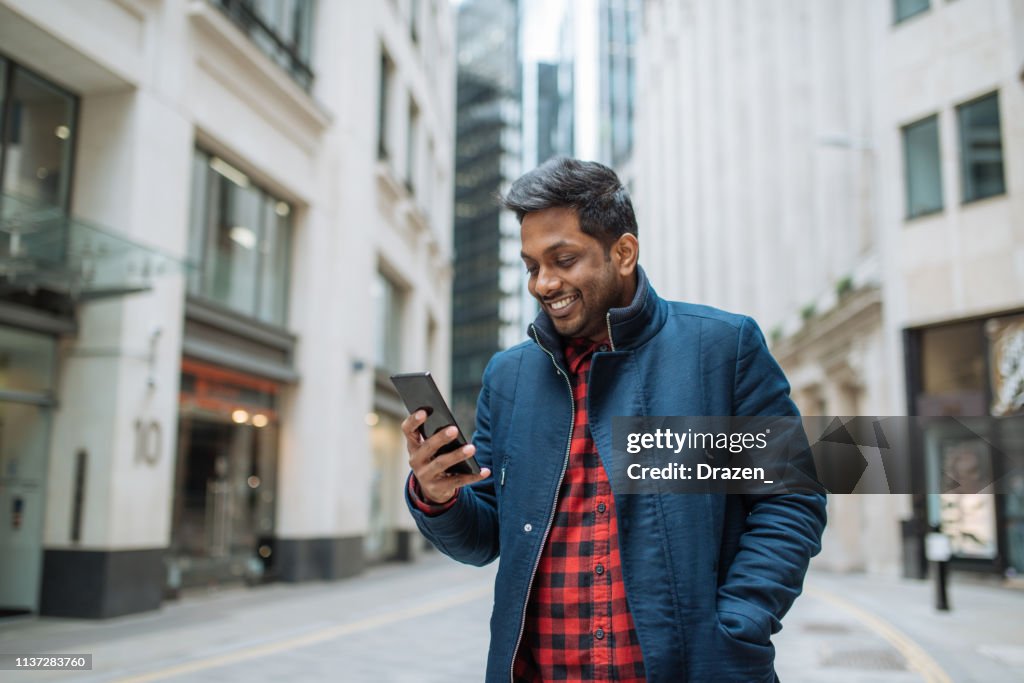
(625, 252)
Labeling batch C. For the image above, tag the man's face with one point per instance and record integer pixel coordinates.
(573, 276)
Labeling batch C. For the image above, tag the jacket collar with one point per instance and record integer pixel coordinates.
(629, 327)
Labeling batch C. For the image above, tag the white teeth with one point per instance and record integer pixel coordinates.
(562, 303)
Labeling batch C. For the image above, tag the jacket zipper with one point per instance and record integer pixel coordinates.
(554, 507)
(608, 321)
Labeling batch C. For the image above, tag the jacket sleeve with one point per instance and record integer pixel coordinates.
(468, 530)
(783, 531)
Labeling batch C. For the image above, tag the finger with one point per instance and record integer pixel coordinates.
(428, 448)
(438, 467)
(411, 427)
(445, 488)
(457, 481)
(443, 436)
(423, 454)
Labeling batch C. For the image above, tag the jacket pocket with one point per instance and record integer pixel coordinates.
(741, 627)
(743, 652)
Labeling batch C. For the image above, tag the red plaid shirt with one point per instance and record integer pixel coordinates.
(578, 625)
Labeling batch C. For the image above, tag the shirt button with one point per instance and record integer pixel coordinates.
(602, 347)
(599, 633)
(599, 569)
(601, 507)
(527, 528)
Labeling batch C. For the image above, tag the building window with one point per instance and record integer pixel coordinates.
(282, 29)
(388, 302)
(387, 74)
(37, 120)
(240, 241)
(412, 147)
(905, 9)
(923, 173)
(429, 175)
(414, 20)
(981, 148)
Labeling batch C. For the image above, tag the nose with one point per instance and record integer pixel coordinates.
(548, 282)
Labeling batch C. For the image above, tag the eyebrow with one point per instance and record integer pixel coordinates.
(557, 245)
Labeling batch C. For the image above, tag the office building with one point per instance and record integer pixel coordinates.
(845, 173)
(224, 222)
(487, 304)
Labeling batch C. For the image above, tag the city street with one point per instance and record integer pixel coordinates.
(428, 622)
(225, 224)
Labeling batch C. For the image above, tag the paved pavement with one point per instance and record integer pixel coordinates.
(428, 622)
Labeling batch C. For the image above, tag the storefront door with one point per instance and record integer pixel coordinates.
(968, 369)
(26, 376)
(386, 502)
(225, 482)
(225, 500)
(24, 433)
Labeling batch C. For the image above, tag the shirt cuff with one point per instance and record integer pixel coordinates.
(424, 506)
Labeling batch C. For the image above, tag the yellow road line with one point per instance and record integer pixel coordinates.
(916, 657)
(274, 647)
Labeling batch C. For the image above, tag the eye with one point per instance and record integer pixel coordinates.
(566, 261)
(532, 270)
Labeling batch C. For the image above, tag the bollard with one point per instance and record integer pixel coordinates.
(941, 598)
(938, 550)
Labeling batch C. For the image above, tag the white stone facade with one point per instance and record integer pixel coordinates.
(770, 181)
(155, 80)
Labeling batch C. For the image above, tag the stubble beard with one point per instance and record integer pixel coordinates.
(596, 304)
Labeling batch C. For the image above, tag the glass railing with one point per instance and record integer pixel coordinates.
(43, 248)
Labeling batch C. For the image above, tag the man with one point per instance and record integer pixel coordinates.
(593, 585)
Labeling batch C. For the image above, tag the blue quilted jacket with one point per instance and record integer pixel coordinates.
(708, 577)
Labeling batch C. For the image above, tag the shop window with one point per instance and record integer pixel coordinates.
(923, 175)
(1006, 359)
(965, 370)
(952, 370)
(224, 510)
(240, 241)
(981, 149)
(27, 361)
(38, 123)
(1005, 337)
(387, 474)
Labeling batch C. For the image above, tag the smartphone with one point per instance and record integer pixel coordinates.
(419, 392)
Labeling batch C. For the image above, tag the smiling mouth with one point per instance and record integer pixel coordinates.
(562, 303)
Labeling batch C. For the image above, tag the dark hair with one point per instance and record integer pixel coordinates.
(593, 190)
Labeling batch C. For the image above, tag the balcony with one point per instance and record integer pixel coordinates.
(280, 28)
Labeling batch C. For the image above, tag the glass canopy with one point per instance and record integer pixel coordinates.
(42, 248)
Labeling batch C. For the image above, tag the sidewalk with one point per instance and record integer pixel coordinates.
(391, 624)
(981, 639)
(428, 622)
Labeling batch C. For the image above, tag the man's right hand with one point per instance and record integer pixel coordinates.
(436, 485)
